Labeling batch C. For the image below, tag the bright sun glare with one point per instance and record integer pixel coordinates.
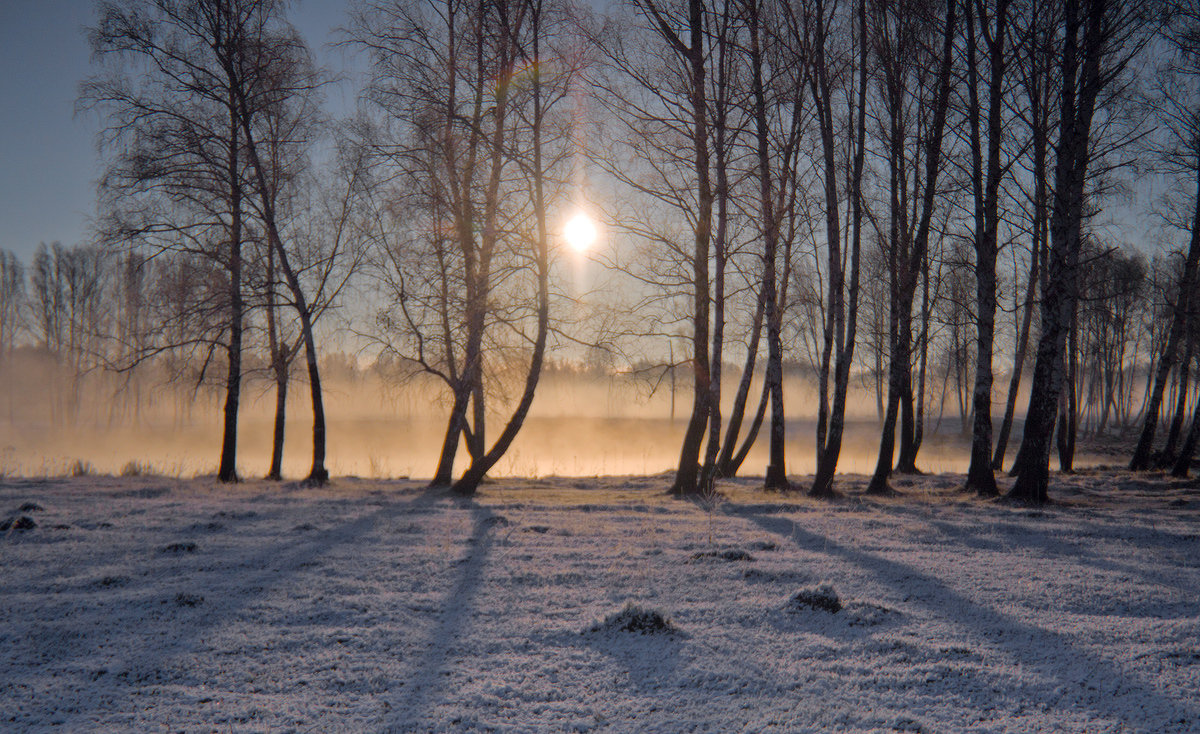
(580, 232)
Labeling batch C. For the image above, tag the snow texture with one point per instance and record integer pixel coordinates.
(150, 604)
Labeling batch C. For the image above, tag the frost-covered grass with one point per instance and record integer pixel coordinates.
(148, 603)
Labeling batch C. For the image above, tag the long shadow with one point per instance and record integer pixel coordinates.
(945, 601)
(1079, 549)
(422, 690)
(994, 533)
(145, 650)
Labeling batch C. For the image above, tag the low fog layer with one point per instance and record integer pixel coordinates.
(582, 424)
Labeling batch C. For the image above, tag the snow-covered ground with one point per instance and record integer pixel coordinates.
(149, 604)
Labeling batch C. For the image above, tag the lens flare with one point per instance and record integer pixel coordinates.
(580, 232)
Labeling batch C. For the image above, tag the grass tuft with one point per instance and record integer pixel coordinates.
(821, 597)
(636, 619)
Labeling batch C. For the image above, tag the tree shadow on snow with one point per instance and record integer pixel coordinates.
(1050, 685)
(430, 673)
(155, 640)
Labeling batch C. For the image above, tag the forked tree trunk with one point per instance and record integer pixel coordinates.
(904, 291)
(739, 457)
(482, 462)
(317, 474)
(829, 446)
(443, 476)
(727, 467)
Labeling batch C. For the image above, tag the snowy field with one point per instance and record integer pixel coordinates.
(147, 604)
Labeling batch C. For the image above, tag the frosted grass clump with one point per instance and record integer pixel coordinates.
(637, 619)
(822, 597)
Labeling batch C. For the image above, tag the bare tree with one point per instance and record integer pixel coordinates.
(907, 237)
(274, 84)
(177, 179)
(1035, 55)
(831, 79)
(1099, 39)
(69, 285)
(480, 164)
(12, 294)
(1178, 107)
(659, 90)
(991, 23)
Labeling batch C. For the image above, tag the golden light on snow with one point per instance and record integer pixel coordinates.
(580, 232)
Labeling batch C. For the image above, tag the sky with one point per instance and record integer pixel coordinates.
(48, 158)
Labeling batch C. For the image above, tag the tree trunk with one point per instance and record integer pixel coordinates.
(233, 380)
(712, 468)
(1184, 461)
(443, 476)
(317, 473)
(1014, 381)
(687, 475)
(1060, 291)
(980, 477)
(776, 475)
(906, 462)
(760, 413)
(900, 374)
(279, 369)
(1180, 412)
(281, 387)
(727, 467)
(1068, 418)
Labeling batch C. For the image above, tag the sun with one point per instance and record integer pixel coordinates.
(580, 232)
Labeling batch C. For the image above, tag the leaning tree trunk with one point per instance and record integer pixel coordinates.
(443, 476)
(739, 457)
(1014, 381)
(481, 463)
(1168, 455)
(726, 467)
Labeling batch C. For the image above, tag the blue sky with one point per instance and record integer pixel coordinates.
(48, 159)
